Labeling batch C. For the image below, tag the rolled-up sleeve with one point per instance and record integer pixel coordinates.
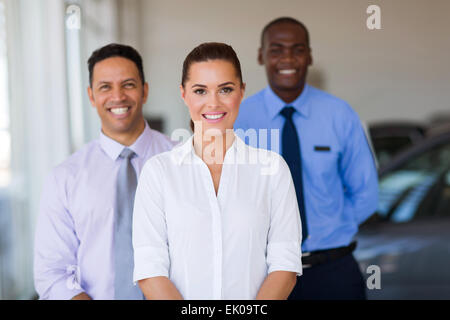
(150, 244)
(56, 274)
(284, 238)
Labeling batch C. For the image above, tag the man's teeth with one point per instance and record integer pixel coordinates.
(214, 116)
(119, 111)
(287, 71)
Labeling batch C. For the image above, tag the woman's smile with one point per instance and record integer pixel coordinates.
(214, 117)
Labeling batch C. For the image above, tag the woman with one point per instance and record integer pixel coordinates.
(209, 221)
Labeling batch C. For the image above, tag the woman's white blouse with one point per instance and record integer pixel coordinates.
(216, 247)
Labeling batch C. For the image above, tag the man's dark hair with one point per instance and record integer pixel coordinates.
(115, 50)
(284, 20)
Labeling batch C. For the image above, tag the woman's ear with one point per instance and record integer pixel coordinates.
(243, 86)
(183, 93)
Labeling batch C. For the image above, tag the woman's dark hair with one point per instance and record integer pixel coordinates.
(115, 50)
(210, 51)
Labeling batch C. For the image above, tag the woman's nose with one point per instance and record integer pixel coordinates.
(214, 99)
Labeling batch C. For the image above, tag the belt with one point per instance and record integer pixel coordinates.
(313, 258)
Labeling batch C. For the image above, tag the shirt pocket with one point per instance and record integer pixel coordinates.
(323, 161)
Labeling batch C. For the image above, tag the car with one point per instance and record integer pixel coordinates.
(390, 138)
(408, 237)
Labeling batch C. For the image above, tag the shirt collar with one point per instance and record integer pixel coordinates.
(113, 148)
(274, 104)
(185, 153)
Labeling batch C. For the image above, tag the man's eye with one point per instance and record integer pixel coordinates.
(129, 85)
(227, 90)
(200, 91)
(104, 87)
(275, 51)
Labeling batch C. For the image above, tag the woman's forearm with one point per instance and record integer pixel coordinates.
(82, 296)
(277, 286)
(159, 288)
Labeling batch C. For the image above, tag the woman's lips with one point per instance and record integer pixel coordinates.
(214, 117)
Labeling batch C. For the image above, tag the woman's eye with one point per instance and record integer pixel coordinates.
(200, 91)
(226, 90)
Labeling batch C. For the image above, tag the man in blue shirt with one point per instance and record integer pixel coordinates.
(324, 144)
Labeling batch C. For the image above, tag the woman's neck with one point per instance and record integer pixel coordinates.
(212, 148)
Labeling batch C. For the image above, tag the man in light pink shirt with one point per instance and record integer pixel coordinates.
(75, 253)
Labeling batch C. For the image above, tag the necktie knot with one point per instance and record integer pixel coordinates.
(287, 112)
(127, 153)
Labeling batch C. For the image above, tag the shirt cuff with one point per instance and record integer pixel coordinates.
(150, 262)
(62, 290)
(284, 256)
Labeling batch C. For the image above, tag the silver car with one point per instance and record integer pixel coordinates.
(409, 236)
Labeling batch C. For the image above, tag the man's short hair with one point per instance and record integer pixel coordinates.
(115, 50)
(284, 20)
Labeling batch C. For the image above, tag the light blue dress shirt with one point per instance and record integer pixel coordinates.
(339, 174)
(74, 250)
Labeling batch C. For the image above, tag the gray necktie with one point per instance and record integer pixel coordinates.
(123, 248)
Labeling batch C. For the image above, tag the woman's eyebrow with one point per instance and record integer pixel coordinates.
(227, 83)
(199, 85)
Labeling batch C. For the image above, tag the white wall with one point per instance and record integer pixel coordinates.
(399, 72)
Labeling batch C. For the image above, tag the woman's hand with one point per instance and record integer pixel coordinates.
(277, 286)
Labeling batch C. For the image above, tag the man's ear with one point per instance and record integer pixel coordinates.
(310, 62)
(260, 56)
(91, 96)
(145, 96)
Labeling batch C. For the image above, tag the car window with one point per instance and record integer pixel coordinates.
(386, 147)
(418, 189)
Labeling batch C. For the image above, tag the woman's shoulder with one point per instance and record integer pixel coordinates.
(270, 160)
(167, 158)
(271, 155)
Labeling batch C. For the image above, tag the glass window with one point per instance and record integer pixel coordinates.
(5, 138)
(387, 147)
(74, 73)
(419, 189)
(6, 284)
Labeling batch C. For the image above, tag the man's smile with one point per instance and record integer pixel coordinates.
(287, 71)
